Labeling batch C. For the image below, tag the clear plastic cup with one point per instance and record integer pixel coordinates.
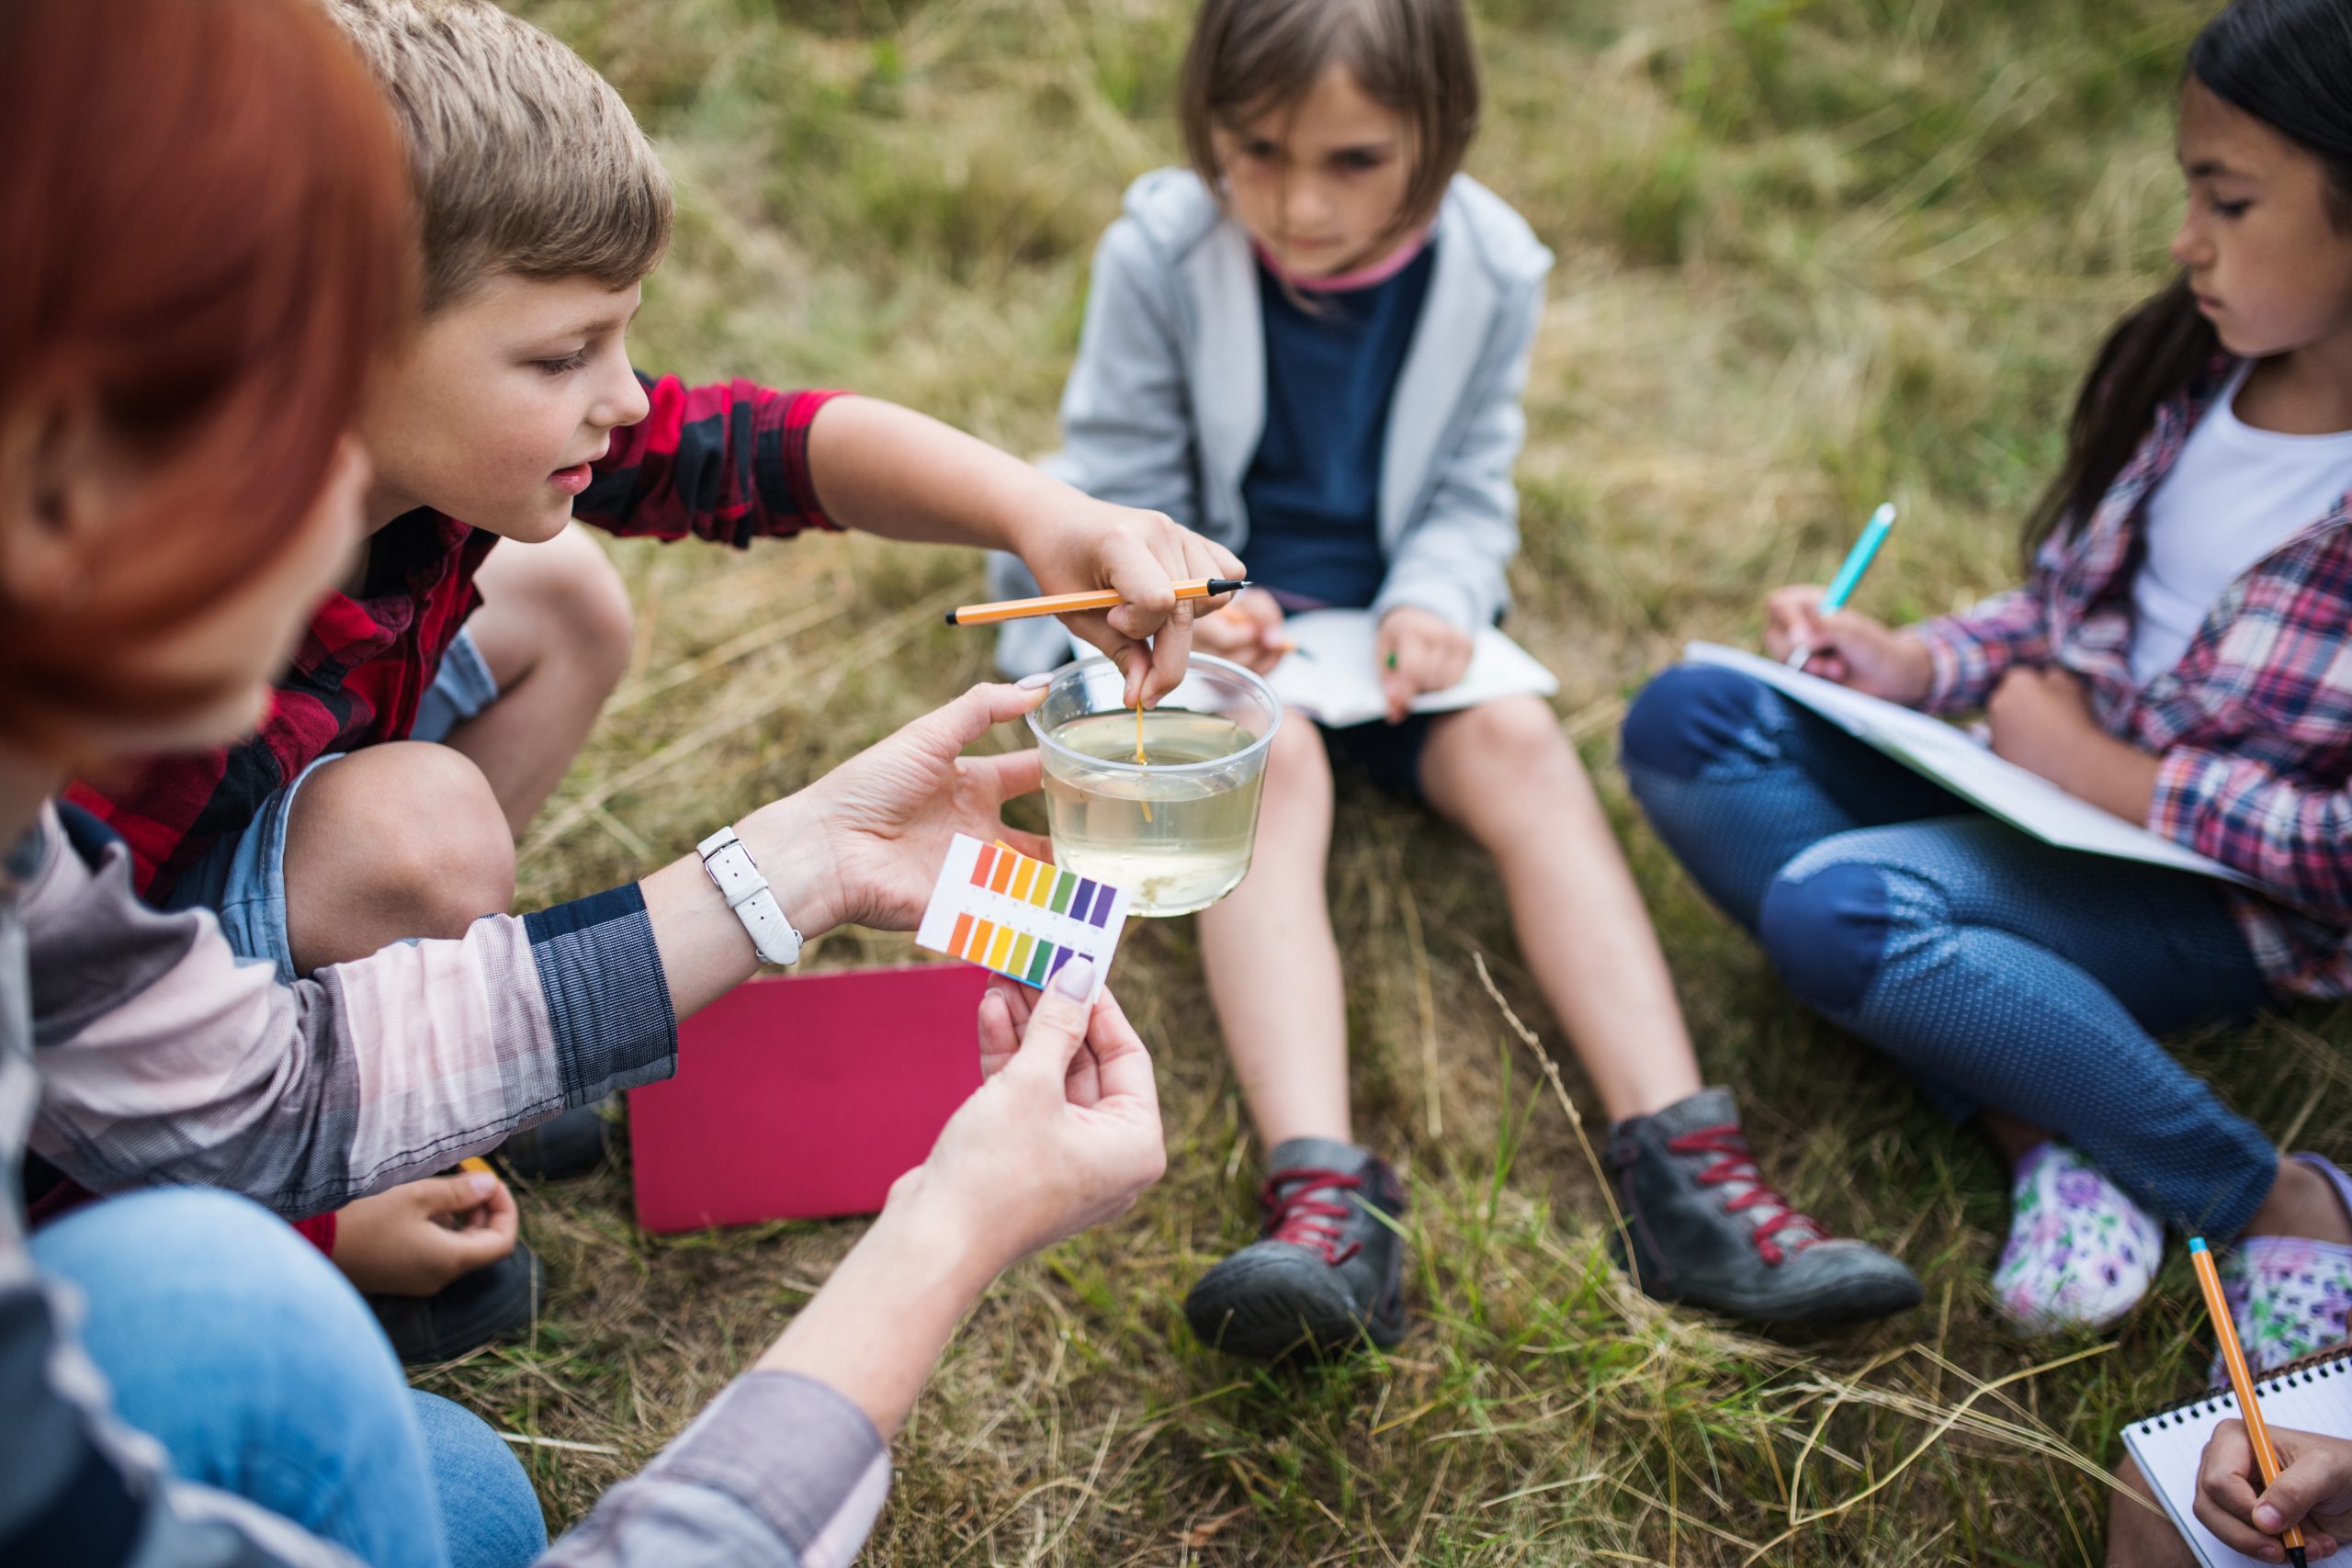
(1176, 830)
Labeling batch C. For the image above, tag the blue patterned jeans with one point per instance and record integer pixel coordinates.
(1999, 971)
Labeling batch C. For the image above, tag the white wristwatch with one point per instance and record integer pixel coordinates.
(737, 875)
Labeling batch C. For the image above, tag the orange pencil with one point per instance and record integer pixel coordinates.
(2266, 1458)
(1073, 603)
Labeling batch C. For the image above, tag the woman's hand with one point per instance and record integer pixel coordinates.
(2313, 1490)
(412, 1239)
(1849, 649)
(1064, 1134)
(1249, 631)
(1419, 651)
(2041, 718)
(873, 833)
(1074, 543)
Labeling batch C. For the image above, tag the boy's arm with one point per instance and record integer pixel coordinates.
(1452, 561)
(736, 461)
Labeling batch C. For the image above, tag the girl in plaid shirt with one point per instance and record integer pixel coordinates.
(2178, 654)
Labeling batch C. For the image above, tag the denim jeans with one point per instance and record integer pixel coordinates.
(230, 1340)
(2000, 971)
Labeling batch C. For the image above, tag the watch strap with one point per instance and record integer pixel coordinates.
(737, 876)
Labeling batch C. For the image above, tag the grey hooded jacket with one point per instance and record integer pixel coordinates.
(1166, 402)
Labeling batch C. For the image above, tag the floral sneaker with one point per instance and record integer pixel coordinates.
(2080, 1254)
(2288, 1296)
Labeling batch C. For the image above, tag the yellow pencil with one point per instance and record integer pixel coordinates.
(1075, 603)
(2266, 1458)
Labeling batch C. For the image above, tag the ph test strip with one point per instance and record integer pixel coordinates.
(1003, 910)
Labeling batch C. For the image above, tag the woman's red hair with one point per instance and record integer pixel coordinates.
(205, 238)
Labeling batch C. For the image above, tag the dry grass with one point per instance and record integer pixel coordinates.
(1810, 255)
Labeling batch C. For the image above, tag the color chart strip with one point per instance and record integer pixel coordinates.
(1024, 917)
(1017, 876)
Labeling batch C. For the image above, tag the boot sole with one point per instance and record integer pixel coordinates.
(1234, 1311)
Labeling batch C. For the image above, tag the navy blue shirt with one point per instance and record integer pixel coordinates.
(1313, 490)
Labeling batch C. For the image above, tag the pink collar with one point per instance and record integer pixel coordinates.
(1380, 271)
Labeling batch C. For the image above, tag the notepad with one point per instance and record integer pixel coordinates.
(803, 1096)
(2314, 1395)
(1335, 674)
(1926, 745)
(1021, 916)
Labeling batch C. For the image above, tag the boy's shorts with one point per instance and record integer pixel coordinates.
(242, 878)
(1389, 754)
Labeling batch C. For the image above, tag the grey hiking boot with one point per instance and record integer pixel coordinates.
(1706, 1229)
(1327, 1272)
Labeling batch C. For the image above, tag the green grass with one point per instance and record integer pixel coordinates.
(1810, 255)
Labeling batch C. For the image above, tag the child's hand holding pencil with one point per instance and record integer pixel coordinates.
(2313, 1490)
(1845, 646)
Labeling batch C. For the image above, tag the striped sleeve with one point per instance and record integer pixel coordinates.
(727, 462)
(2294, 838)
(165, 1060)
(779, 1470)
(1969, 652)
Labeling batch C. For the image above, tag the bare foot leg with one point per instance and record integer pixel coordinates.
(2302, 1202)
(2139, 1532)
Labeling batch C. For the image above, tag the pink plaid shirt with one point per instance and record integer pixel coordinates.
(2253, 727)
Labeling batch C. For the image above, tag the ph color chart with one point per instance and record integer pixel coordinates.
(1002, 911)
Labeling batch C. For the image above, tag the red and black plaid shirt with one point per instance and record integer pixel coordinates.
(728, 462)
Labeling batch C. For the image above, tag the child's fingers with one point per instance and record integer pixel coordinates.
(447, 1195)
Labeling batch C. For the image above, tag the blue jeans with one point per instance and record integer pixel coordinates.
(1998, 970)
(230, 1340)
(242, 879)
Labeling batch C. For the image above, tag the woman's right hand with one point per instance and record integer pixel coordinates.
(1850, 649)
(1248, 631)
(1064, 1134)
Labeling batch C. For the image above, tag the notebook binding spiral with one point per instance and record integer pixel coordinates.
(2334, 1362)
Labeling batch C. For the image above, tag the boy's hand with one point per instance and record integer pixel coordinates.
(1850, 649)
(412, 1239)
(1419, 651)
(1078, 544)
(1065, 1132)
(2313, 1490)
(874, 831)
(1249, 631)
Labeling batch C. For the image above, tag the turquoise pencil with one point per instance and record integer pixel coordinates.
(1849, 575)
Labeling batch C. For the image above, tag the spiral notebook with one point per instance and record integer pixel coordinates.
(2314, 1395)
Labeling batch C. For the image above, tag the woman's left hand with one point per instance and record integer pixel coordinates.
(1419, 651)
(2042, 720)
(1081, 544)
(874, 832)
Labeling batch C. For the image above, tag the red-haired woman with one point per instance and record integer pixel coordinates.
(202, 234)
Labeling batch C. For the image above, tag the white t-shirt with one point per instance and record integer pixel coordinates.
(2235, 494)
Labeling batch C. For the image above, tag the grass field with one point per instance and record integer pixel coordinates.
(1810, 255)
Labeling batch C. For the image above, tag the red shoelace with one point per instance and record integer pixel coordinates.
(1302, 1216)
(1733, 1163)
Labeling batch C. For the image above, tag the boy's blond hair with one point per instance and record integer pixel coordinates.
(526, 160)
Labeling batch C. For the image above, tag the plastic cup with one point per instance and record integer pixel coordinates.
(1176, 830)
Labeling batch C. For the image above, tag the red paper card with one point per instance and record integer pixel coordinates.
(805, 1096)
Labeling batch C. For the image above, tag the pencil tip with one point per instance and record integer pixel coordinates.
(951, 619)
(2197, 1244)
(2295, 1555)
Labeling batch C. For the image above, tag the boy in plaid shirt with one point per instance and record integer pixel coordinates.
(440, 696)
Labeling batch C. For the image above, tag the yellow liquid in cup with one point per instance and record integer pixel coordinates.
(1177, 842)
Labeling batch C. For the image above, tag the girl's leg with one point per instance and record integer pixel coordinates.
(1327, 1271)
(228, 1339)
(2030, 978)
(1703, 1226)
(1737, 782)
(1273, 965)
(1507, 777)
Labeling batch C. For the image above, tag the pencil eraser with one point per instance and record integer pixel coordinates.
(2197, 1244)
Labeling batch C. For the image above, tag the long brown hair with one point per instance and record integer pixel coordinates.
(205, 234)
(2289, 64)
(1412, 57)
